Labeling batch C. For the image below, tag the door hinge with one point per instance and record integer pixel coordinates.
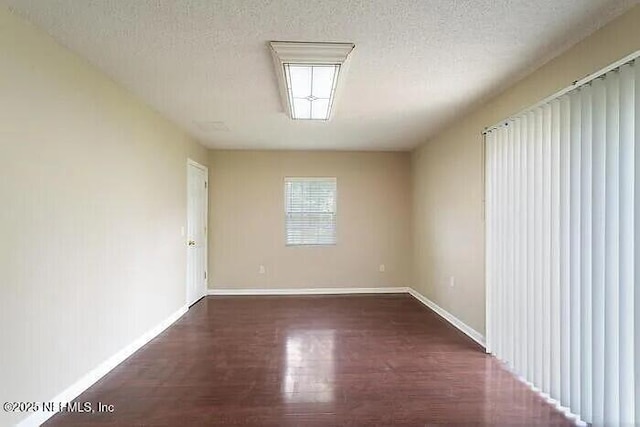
(205, 274)
(205, 184)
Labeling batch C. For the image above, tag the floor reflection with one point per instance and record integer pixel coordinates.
(310, 366)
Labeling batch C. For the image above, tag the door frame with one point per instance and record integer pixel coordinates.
(191, 162)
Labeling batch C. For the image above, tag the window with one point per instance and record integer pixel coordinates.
(310, 211)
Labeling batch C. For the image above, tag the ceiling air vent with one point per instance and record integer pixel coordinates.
(212, 126)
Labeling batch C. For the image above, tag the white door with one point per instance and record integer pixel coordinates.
(196, 231)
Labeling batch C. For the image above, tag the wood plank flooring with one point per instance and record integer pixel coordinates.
(363, 360)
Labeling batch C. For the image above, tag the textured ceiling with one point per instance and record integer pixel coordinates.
(205, 64)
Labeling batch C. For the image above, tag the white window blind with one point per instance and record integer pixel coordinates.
(563, 247)
(310, 211)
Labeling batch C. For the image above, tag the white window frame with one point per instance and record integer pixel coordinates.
(286, 212)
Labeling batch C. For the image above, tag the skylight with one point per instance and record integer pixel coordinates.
(310, 90)
(309, 75)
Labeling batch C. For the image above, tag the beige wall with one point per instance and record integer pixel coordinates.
(247, 220)
(447, 174)
(93, 198)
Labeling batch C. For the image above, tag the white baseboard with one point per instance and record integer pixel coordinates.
(98, 372)
(307, 291)
(468, 330)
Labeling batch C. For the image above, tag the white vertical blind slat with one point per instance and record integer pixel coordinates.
(498, 332)
(504, 239)
(489, 211)
(499, 241)
(554, 259)
(523, 279)
(575, 189)
(564, 317)
(537, 261)
(586, 246)
(611, 410)
(505, 246)
(517, 227)
(598, 251)
(626, 180)
(531, 248)
(510, 280)
(546, 248)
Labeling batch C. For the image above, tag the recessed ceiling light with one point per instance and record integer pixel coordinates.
(310, 75)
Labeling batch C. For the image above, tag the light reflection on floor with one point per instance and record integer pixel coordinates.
(310, 366)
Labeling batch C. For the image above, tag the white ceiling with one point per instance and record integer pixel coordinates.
(416, 65)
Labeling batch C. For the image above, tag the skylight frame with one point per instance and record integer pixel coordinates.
(307, 54)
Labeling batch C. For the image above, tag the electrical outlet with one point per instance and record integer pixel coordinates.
(381, 268)
(452, 281)
(261, 269)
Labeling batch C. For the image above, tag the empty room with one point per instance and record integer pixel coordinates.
(319, 213)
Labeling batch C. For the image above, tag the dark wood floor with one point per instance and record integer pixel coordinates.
(382, 360)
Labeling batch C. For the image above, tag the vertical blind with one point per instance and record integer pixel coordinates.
(563, 247)
(310, 211)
